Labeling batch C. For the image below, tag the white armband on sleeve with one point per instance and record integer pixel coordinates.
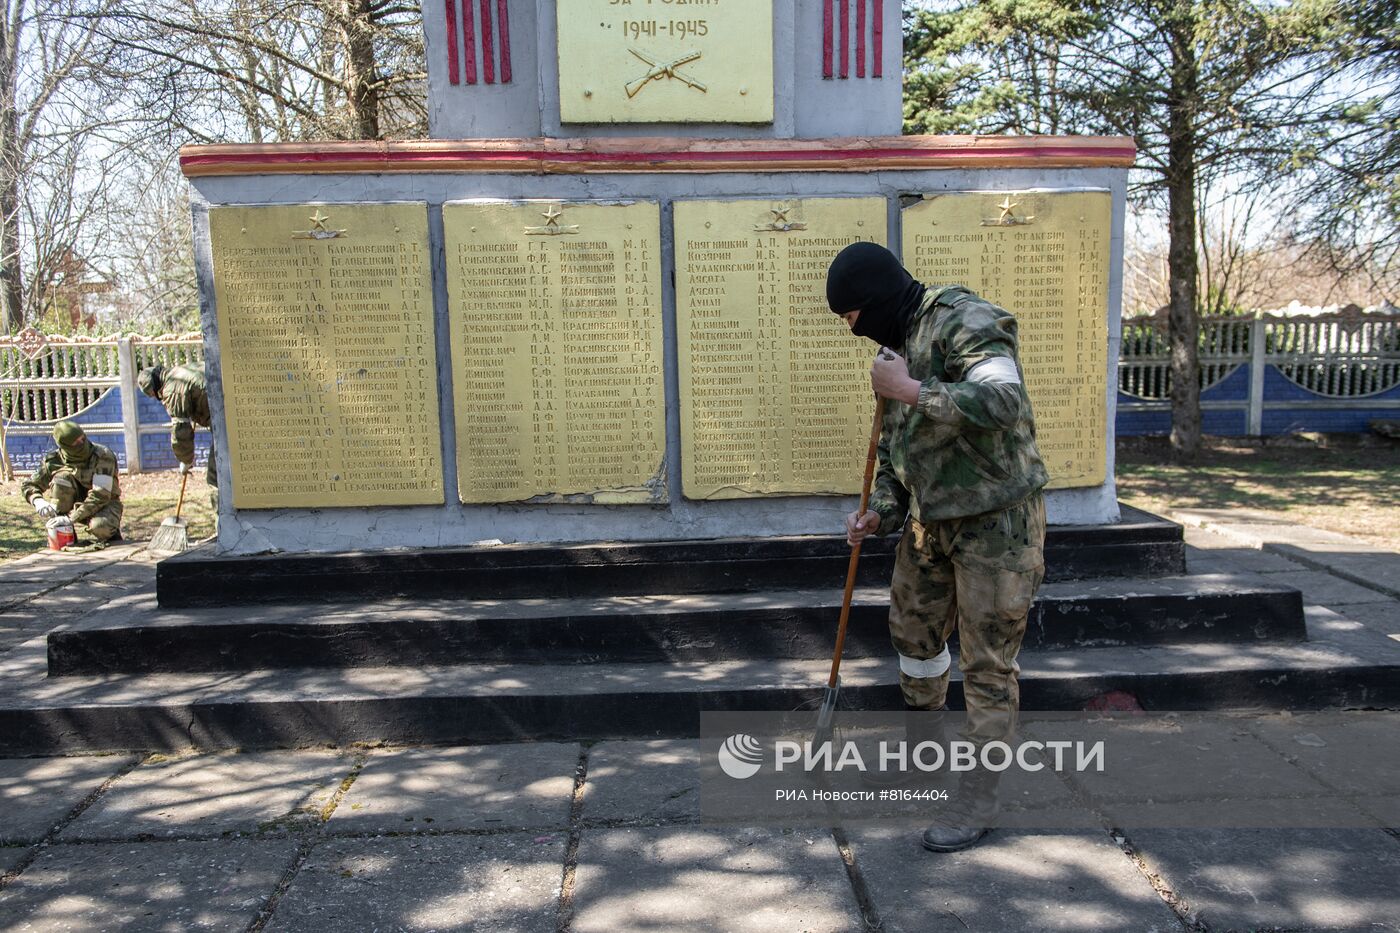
(102, 481)
(996, 369)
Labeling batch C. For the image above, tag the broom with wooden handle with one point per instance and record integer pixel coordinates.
(833, 683)
(172, 536)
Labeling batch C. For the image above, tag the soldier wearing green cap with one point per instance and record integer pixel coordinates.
(78, 480)
(184, 392)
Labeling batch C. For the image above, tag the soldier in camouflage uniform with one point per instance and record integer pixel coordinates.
(960, 474)
(185, 394)
(78, 480)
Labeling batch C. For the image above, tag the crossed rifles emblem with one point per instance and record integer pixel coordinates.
(660, 69)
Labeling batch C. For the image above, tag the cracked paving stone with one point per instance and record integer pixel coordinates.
(681, 878)
(1011, 880)
(1249, 879)
(36, 793)
(529, 785)
(643, 781)
(156, 886)
(206, 794)
(506, 884)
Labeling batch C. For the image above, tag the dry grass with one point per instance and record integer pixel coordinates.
(1348, 484)
(149, 499)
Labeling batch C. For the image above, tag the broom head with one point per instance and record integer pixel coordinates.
(172, 537)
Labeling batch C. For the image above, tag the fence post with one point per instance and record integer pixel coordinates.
(131, 419)
(1256, 376)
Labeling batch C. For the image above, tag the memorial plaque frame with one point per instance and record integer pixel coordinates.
(621, 62)
(1002, 244)
(329, 387)
(776, 401)
(670, 172)
(547, 408)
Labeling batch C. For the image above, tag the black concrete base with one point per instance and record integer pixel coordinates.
(1141, 545)
(1214, 609)
(649, 711)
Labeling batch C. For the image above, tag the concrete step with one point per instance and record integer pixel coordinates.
(1341, 664)
(1141, 545)
(133, 636)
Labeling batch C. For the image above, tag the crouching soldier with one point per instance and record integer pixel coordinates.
(184, 393)
(78, 480)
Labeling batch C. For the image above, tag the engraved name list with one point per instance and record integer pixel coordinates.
(328, 365)
(555, 310)
(775, 395)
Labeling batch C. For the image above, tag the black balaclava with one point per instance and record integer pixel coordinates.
(869, 278)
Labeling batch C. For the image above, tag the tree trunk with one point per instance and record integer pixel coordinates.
(11, 272)
(360, 70)
(1183, 322)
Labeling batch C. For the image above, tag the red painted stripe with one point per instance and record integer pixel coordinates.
(845, 38)
(383, 154)
(453, 64)
(860, 38)
(877, 39)
(488, 51)
(827, 27)
(825, 155)
(503, 27)
(469, 38)
(654, 159)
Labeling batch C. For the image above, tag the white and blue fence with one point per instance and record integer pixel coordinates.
(1266, 375)
(92, 381)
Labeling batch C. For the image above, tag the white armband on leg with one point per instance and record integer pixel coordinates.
(935, 666)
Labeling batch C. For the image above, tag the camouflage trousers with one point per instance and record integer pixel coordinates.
(978, 576)
(104, 526)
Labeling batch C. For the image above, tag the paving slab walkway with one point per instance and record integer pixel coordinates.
(1341, 556)
(557, 836)
(47, 588)
(565, 836)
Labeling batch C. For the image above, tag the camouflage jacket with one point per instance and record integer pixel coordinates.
(967, 447)
(92, 496)
(184, 393)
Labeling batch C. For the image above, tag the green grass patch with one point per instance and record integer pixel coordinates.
(148, 499)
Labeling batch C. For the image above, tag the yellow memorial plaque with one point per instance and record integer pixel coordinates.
(1044, 257)
(639, 61)
(557, 361)
(326, 340)
(774, 390)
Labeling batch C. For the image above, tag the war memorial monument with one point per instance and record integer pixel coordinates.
(592, 308)
(542, 426)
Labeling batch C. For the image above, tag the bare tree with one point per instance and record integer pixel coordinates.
(304, 69)
(155, 255)
(53, 96)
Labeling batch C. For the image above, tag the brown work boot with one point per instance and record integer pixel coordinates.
(970, 815)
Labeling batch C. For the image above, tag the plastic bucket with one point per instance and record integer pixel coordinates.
(61, 535)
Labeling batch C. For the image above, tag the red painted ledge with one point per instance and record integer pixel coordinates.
(649, 155)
